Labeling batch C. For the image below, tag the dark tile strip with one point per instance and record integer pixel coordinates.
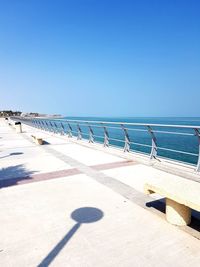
(38, 177)
(60, 173)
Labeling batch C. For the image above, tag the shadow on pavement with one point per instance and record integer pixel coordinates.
(12, 154)
(12, 175)
(45, 142)
(80, 216)
(157, 204)
(160, 205)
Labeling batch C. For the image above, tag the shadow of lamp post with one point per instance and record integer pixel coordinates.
(80, 216)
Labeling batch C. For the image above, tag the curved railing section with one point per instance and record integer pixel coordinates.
(176, 142)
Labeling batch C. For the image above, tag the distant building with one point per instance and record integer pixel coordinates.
(8, 113)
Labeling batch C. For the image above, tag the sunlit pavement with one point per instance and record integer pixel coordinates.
(66, 204)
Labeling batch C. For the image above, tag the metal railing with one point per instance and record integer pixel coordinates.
(121, 134)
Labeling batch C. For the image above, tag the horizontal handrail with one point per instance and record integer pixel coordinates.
(133, 123)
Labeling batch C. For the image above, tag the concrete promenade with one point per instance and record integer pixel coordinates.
(70, 204)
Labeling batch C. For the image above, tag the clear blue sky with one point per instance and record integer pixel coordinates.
(101, 57)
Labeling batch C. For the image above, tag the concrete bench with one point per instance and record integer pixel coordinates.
(181, 195)
(38, 140)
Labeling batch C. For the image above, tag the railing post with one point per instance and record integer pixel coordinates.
(106, 137)
(56, 127)
(63, 129)
(47, 125)
(52, 127)
(127, 139)
(79, 137)
(198, 136)
(37, 124)
(40, 124)
(69, 130)
(43, 126)
(153, 153)
(91, 135)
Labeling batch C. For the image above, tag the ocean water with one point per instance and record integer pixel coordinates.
(186, 141)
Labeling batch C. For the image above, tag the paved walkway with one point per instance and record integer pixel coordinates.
(65, 204)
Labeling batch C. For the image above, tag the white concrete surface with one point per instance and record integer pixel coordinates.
(36, 227)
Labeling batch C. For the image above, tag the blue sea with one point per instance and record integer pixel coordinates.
(186, 141)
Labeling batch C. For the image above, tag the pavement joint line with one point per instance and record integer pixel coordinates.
(117, 186)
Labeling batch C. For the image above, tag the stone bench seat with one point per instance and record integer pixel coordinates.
(38, 140)
(181, 195)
